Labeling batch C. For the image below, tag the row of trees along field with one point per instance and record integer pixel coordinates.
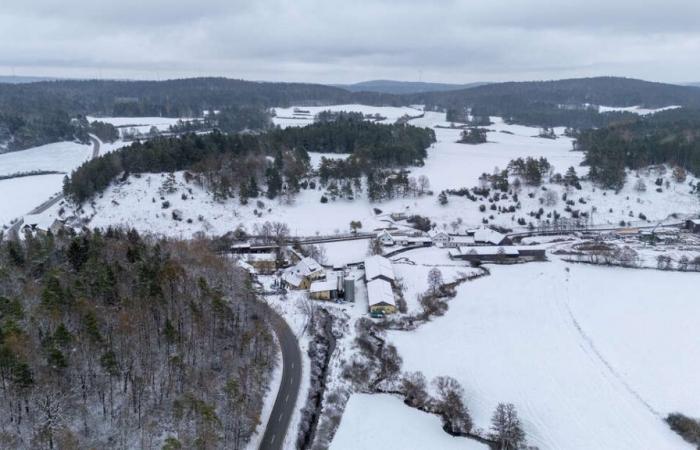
(669, 137)
(114, 340)
(242, 163)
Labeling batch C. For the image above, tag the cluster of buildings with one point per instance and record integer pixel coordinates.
(441, 238)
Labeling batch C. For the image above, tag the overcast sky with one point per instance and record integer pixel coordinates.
(352, 40)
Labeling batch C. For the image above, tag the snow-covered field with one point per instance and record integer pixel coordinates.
(374, 422)
(412, 269)
(20, 195)
(449, 166)
(286, 117)
(593, 358)
(61, 157)
(634, 109)
(139, 124)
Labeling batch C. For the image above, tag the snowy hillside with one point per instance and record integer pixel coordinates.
(449, 165)
(383, 422)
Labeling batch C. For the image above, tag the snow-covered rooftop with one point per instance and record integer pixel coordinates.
(329, 284)
(489, 236)
(377, 266)
(379, 292)
(489, 250)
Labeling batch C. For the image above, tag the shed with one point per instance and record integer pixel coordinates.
(693, 225)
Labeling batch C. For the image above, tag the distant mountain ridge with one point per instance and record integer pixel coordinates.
(403, 87)
(22, 79)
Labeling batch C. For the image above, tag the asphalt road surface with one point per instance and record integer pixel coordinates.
(285, 403)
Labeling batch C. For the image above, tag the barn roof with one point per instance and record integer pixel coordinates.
(488, 236)
(377, 266)
(379, 292)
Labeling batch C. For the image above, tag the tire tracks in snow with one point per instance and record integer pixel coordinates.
(592, 349)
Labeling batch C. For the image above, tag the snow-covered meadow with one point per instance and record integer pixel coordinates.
(384, 422)
(593, 358)
(139, 124)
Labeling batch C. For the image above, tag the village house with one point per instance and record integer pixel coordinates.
(440, 237)
(380, 297)
(385, 238)
(303, 273)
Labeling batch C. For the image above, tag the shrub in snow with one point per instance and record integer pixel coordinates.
(688, 428)
(165, 205)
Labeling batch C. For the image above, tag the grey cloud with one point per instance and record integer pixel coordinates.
(325, 41)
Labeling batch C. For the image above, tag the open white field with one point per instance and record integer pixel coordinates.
(383, 422)
(287, 118)
(20, 195)
(61, 156)
(140, 124)
(594, 362)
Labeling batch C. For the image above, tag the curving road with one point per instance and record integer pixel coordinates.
(14, 229)
(285, 403)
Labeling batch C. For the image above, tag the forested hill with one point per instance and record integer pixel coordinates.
(171, 98)
(118, 341)
(669, 137)
(562, 102)
(403, 87)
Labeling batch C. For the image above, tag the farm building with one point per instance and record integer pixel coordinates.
(300, 275)
(264, 263)
(406, 241)
(693, 225)
(328, 289)
(380, 297)
(497, 254)
(379, 267)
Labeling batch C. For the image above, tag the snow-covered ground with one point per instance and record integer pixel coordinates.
(593, 358)
(140, 124)
(286, 117)
(449, 165)
(383, 422)
(634, 109)
(61, 157)
(411, 268)
(20, 195)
